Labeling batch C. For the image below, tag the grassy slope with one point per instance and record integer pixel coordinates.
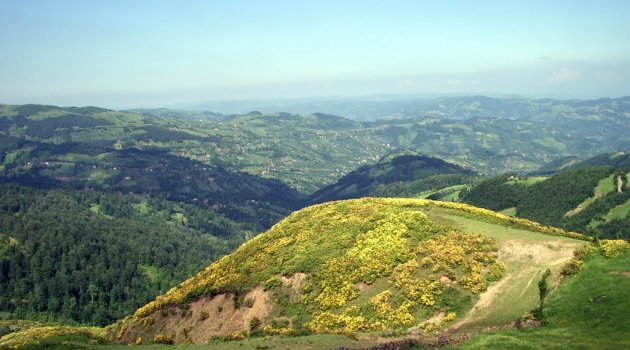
(350, 218)
(527, 255)
(619, 212)
(587, 311)
(527, 180)
(498, 227)
(604, 186)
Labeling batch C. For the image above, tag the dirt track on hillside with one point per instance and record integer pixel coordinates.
(526, 261)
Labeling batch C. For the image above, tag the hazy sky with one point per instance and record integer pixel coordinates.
(156, 53)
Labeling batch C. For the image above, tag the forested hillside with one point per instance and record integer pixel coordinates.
(396, 175)
(92, 257)
(590, 199)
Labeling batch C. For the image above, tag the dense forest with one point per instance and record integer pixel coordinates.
(93, 257)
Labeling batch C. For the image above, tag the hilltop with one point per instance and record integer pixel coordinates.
(404, 273)
(363, 265)
(401, 174)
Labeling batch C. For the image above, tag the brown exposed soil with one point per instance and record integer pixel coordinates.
(295, 283)
(445, 280)
(362, 287)
(623, 273)
(437, 317)
(203, 318)
(534, 257)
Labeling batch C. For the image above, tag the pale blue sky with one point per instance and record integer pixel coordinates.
(155, 53)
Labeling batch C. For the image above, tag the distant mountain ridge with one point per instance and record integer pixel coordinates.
(372, 108)
(307, 152)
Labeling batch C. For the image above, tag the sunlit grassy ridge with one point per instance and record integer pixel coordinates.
(587, 311)
(372, 264)
(303, 231)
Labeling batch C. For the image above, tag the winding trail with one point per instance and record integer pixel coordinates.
(526, 255)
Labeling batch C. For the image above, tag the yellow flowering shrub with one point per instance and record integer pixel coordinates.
(585, 251)
(329, 322)
(270, 329)
(381, 303)
(121, 331)
(572, 267)
(497, 269)
(31, 337)
(431, 326)
(474, 282)
(341, 245)
(612, 248)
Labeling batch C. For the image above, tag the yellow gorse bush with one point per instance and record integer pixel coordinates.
(344, 243)
(371, 228)
(613, 248)
(36, 335)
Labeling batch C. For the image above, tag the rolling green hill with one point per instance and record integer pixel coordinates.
(359, 266)
(489, 136)
(387, 273)
(615, 160)
(406, 175)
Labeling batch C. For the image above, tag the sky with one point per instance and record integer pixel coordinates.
(123, 54)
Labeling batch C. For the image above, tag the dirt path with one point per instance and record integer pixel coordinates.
(516, 292)
(588, 201)
(619, 184)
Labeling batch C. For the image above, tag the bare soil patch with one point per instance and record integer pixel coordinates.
(525, 260)
(203, 318)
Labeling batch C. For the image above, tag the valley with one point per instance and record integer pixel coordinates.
(314, 175)
(379, 261)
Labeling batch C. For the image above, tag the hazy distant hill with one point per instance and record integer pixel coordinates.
(372, 108)
(556, 165)
(488, 135)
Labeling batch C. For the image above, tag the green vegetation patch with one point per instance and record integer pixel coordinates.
(527, 181)
(606, 185)
(347, 250)
(619, 212)
(587, 311)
